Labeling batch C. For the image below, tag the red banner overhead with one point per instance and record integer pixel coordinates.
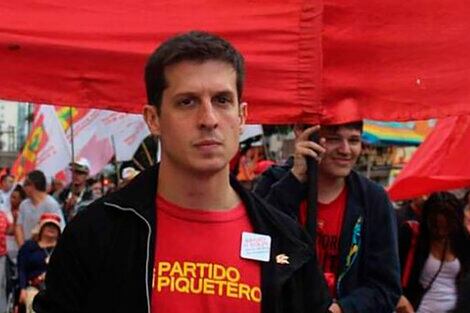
(396, 60)
(440, 163)
(91, 53)
(378, 59)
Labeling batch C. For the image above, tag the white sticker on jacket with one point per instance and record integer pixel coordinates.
(255, 247)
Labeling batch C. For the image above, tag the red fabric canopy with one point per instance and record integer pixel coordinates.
(91, 53)
(396, 60)
(378, 59)
(440, 163)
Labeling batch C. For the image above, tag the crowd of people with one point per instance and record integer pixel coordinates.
(33, 214)
(185, 237)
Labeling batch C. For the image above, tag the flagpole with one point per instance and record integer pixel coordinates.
(115, 160)
(72, 143)
(312, 196)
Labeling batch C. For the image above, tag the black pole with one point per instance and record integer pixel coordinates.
(72, 147)
(312, 196)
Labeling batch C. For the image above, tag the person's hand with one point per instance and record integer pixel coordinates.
(306, 148)
(70, 203)
(22, 297)
(335, 308)
(404, 306)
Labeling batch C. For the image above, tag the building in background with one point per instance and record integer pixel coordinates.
(13, 130)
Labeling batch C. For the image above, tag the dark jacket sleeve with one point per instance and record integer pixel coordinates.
(280, 188)
(463, 298)
(69, 273)
(379, 287)
(22, 273)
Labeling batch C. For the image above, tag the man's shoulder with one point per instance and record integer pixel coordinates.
(26, 204)
(367, 195)
(94, 217)
(277, 171)
(275, 219)
(271, 176)
(359, 183)
(51, 202)
(64, 193)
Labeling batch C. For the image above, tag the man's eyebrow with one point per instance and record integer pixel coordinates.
(355, 137)
(185, 94)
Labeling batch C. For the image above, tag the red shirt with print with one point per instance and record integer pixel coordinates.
(198, 267)
(329, 226)
(3, 232)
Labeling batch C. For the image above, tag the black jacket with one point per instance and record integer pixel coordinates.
(369, 277)
(104, 260)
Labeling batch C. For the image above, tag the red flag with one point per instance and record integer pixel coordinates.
(377, 59)
(440, 163)
(396, 60)
(91, 53)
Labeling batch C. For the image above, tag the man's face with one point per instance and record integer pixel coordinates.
(79, 177)
(28, 188)
(7, 183)
(343, 147)
(200, 118)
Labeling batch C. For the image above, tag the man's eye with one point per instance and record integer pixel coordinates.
(223, 100)
(332, 139)
(186, 102)
(354, 141)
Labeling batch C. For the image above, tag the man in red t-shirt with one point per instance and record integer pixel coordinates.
(356, 233)
(182, 236)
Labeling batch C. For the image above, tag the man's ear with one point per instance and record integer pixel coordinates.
(152, 119)
(243, 113)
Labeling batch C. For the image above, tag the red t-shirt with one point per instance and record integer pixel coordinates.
(198, 267)
(3, 231)
(329, 226)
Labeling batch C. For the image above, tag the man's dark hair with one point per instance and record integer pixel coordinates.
(21, 191)
(37, 179)
(356, 125)
(195, 46)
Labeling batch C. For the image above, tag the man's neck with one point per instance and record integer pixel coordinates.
(38, 197)
(77, 187)
(329, 187)
(196, 190)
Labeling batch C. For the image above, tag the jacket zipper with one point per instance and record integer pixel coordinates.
(148, 247)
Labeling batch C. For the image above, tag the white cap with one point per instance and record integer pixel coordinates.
(81, 165)
(129, 172)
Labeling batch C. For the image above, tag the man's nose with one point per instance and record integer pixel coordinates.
(345, 146)
(207, 115)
